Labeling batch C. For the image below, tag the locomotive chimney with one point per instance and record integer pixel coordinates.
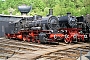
(50, 11)
(24, 9)
(68, 14)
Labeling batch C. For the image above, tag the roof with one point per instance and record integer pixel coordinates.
(14, 16)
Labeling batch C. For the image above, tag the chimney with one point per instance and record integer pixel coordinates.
(50, 11)
(68, 14)
(24, 9)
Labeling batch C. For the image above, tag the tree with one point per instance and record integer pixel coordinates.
(61, 7)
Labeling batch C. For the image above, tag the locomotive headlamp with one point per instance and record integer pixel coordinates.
(85, 36)
(72, 20)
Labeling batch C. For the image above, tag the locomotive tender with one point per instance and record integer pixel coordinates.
(46, 29)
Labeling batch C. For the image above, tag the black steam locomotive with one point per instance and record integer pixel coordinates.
(74, 25)
(34, 28)
(36, 22)
(46, 29)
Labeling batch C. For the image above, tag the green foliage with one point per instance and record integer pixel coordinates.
(40, 7)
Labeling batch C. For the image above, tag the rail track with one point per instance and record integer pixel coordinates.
(10, 47)
(21, 50)
(68, 54)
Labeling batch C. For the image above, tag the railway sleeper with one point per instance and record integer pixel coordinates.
(22, 47)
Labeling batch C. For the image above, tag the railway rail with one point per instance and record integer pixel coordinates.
(68, 54)
(21, 50)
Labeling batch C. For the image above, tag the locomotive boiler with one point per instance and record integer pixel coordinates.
(67, 21)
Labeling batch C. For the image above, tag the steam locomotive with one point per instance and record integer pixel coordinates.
(35, 28)
(46, 29)
(75, 28)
